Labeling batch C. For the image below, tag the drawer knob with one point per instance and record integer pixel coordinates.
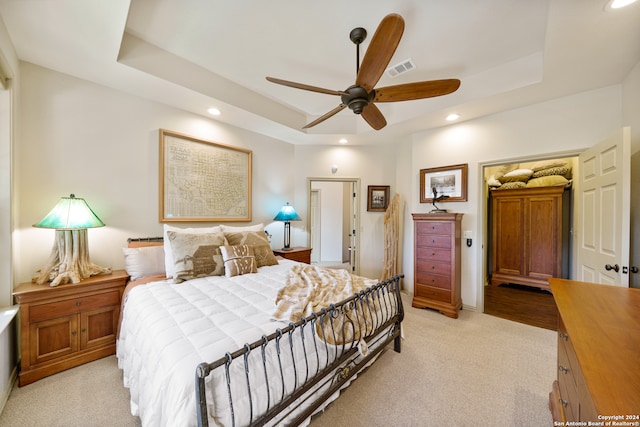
(74, 333)
(563, 369)
(83, 330)
(78, 303)
(564, 402)
(564, 336)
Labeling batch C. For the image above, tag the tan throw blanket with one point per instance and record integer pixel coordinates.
(309, 289)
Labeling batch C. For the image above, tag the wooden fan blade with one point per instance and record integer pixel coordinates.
(380, 51)
(374, 117)
(325, 116)
(418, 90)
(305, 87)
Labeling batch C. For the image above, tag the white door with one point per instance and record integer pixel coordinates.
(603, 211)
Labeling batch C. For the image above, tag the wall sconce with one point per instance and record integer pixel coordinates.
(69, 259)
(287, 214)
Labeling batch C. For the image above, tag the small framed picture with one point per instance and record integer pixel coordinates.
(448, 181)
(378, 198)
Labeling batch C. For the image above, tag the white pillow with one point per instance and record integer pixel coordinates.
(144, 261)
(168, 253)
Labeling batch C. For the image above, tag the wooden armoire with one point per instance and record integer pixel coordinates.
(527, 230)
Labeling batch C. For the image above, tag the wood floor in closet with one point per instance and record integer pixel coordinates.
(523, 304)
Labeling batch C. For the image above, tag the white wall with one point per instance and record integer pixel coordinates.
(568, 124)
(101, 144)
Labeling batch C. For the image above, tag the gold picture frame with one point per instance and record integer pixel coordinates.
(203, 181)
(448, 181)
(377, 198)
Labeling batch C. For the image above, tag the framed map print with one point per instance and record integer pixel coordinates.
(203, 180)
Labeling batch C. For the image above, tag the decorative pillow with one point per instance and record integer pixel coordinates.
(546, 164)
(512, 185)
(547, 181)
(504, 169)
(238, 260)
(168, 254)
(196, 255)
(261, 247)
(144, 261)
(557, 170)
(493, 182)
(521, 175)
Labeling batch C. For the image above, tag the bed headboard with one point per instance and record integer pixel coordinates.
(139, 242)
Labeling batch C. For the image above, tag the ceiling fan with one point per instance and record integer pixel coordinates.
(362, 95)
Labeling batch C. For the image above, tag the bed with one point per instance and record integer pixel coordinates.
(250, 347)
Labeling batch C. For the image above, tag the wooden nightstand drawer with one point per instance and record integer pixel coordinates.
(432, 293)
(70, 306)
(299, 254)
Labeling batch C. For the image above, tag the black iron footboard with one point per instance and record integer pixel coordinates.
(285, 377)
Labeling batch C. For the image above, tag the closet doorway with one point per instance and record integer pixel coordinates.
(333, 220)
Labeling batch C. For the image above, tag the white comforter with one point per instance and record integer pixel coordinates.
(168, 329)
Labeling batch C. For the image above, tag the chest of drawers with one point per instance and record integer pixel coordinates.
(437, 262)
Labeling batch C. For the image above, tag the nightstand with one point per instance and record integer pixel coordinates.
(67, 325)
(299, 254)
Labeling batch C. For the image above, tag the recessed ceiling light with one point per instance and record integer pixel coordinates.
(214, 111)
(617, 4)
(343, 141)
(453, 116)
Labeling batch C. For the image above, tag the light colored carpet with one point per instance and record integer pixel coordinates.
(477, 370)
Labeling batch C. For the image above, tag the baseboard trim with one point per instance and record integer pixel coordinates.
(13, 379)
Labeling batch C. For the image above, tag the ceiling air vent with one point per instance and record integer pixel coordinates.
(401, 68)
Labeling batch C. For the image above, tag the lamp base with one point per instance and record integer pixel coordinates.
(286, 249)
(69, 260)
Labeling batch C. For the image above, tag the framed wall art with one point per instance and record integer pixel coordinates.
(203, 180)
(378, 198)
(448, 181)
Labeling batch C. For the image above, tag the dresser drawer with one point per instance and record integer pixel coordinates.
(443, 282)
(567, 385)
(430, 267)
(434, 227)
(433, 240)
(73, 305)
(435, 254)
(432, 293)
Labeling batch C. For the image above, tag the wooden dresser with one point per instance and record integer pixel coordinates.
(598, 353)
(526, 235)
(68, 325)
(299, 254)
(436, 263)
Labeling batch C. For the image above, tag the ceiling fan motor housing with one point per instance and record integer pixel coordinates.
(357, 98)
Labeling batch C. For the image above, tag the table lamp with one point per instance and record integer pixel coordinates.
(287, 214)
(69, 259)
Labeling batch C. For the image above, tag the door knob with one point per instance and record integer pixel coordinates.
(634, 269)
(609, 267)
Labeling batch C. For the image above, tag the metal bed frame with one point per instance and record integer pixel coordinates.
(372, 317)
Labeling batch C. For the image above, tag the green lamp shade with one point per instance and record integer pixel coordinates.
(287, 213)
(71, 213)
